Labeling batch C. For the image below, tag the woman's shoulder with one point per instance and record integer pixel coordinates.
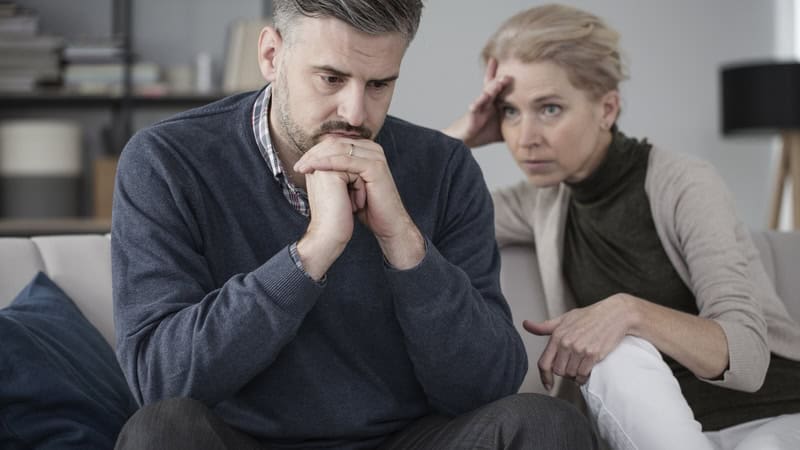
(673, 171)
(525, 196)
(669, 161)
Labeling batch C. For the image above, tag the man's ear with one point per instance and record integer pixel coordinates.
(270, 44)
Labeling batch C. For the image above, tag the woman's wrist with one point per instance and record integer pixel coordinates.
(633, 313)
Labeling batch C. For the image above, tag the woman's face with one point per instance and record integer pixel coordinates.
(556, 132)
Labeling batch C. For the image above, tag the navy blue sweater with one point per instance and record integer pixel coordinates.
(208, 303)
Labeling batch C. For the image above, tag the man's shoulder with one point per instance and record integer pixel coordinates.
(403, 136)
(207, 126)
(398, 126)
(215, 114)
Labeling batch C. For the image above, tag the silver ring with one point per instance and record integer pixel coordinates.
(352, 148)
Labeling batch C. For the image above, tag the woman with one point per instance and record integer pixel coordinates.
(660, 307)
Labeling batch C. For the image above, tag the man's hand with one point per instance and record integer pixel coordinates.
(372, 193)
(480, 125)
(331, 225)
(581, 338)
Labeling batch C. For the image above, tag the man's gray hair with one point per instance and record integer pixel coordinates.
(368, 16)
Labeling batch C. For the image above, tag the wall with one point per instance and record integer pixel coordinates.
(674, 51)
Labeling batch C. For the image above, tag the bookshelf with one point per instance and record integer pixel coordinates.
(110, 118)
(57, 99)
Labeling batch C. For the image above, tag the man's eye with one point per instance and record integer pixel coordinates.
(378, 85)
(331, 79)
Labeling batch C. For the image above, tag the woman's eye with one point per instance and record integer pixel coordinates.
(551, 110)
(508, 112)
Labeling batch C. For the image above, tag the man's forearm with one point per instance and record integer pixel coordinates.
(405, 251)
(173, 348)
(463, 344)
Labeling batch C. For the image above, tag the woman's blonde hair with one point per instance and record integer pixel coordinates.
(579, 42)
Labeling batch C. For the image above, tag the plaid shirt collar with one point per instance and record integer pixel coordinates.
(294, 195)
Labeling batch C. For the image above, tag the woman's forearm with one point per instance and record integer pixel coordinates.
(697, 343)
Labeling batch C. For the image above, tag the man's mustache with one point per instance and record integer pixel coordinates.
(343, 127)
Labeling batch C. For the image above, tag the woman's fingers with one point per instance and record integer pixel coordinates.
(491, 71)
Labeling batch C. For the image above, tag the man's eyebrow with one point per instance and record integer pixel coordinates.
(339, 73)
(332, 71)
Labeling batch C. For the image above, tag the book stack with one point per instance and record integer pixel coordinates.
(98, 67)
(90, 51)
(109, 78)
(27, 58)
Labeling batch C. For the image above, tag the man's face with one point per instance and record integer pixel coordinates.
(332, 80)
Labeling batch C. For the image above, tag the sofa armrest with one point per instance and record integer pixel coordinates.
(522, 287)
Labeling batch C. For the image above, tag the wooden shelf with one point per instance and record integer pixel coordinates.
(68, 99)
(66, 225)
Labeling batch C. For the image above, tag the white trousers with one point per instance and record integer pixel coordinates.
(636, 403)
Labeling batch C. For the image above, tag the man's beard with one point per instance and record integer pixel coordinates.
(301, 141)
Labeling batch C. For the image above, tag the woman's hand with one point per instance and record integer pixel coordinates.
(481, 123)
(582, 338)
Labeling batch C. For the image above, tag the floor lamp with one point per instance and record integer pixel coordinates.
(766, 98)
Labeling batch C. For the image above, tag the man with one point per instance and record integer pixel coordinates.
(277, 286)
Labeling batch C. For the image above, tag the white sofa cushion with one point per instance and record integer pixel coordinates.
(79, 264)
(19, 261)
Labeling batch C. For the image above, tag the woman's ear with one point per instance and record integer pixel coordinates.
(270, 43)
(610, 109)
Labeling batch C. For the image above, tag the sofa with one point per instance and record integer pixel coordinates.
(80, 266)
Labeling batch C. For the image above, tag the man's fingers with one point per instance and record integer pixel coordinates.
(343, 155)
(359, 192)
(337, 163)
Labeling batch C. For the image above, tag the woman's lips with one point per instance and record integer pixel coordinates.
(536, 166)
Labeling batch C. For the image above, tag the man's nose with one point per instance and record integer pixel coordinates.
(352, 106)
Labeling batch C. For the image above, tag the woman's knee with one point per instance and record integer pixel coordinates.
(634, 361)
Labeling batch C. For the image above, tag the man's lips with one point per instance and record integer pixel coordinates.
(344, 134)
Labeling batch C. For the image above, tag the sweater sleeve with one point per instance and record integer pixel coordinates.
(456, 323)
(179, 331)
(712, 243)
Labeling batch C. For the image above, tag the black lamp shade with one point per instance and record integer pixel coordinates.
(762, 97)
